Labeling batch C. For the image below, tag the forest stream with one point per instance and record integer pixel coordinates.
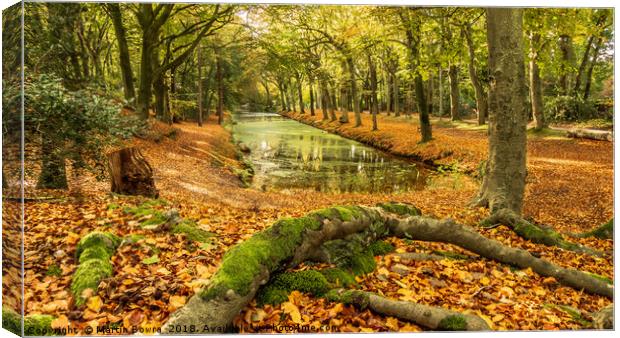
(287, 154)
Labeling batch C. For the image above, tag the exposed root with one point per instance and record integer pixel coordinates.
(537, 234)
(432, 317)
(289, 242)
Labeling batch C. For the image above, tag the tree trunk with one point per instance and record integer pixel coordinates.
(504, 181)
(219, 74)
(566, 50)
(300, 94)
(146, 78)
(440, 92)
(53, 173)
(582, 65)
(425, 123)
(199, 87)
(324, 103)
(123, 49)
(536, 91)
(453, 74)
(586, 90)
(131, 174)
(396, 93)
(292, 241)
(374, 105)
(354, 95)
(311, 85)
(481, 100)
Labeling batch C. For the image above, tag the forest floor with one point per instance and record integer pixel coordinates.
(569, 188)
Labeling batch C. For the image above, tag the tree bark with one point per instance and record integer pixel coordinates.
(481, 100)
(354, 95)
(219, 74)
(374, 105)
(453, 74)
(123, 49)
(504, 181)
(396, 94)
(300, 94)
(199, 87)
(536, 92)
(311, 85)
(566, 50)
(586, 90)
(131, 174)
(289, 242)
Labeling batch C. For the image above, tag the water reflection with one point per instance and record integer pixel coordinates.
(291, 155)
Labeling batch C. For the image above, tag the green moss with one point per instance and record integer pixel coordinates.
(450, 255)
(12, 321)
(113, 206)
(401, 209)
(338, 277)
(362, 263)
(94, 252)
(157, 218)
(453, 323)
(104, 239)
(133, 238)
(272, 296)
(34, 325)
(54, 270)
(265, 250)
(605, 231)
(151, 260)
(380, 248)
(88, 275)
(352, 297)
(191, 231)
(346, 213)
(603, 278)
(278, 288)
(38, 325)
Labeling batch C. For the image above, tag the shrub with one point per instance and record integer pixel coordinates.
(569, 108)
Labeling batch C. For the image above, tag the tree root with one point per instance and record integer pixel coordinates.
(604, 231)
(537, 234)
(432, 317)
(291, 241)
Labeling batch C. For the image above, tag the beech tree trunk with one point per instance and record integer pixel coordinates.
(123, 49)
(504, 181)
(131, 174)
(481, 99)
(291, 241)
(453, 74)
(536, 91)
(374, 104)
(300, 94)
(312, 112)
(597, 48)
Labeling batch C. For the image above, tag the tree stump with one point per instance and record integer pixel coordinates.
(131, 173)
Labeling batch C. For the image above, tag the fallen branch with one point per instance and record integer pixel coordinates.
(291, 241)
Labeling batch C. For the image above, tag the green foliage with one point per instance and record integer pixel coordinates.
(79, 124)
(184, 108)
(453, 323)
(569, 108)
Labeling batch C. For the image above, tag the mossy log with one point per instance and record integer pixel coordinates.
(537, 234)
(34, 325)
(93, 252)
(599, 135)
(432, 317)
(291, 241)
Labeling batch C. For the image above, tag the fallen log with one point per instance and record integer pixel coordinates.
(600, 135)
(291, 241)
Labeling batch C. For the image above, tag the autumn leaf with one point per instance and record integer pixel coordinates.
(61, 322)
(94, 304)
(293, 311)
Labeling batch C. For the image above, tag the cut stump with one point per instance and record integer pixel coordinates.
(131, 173)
